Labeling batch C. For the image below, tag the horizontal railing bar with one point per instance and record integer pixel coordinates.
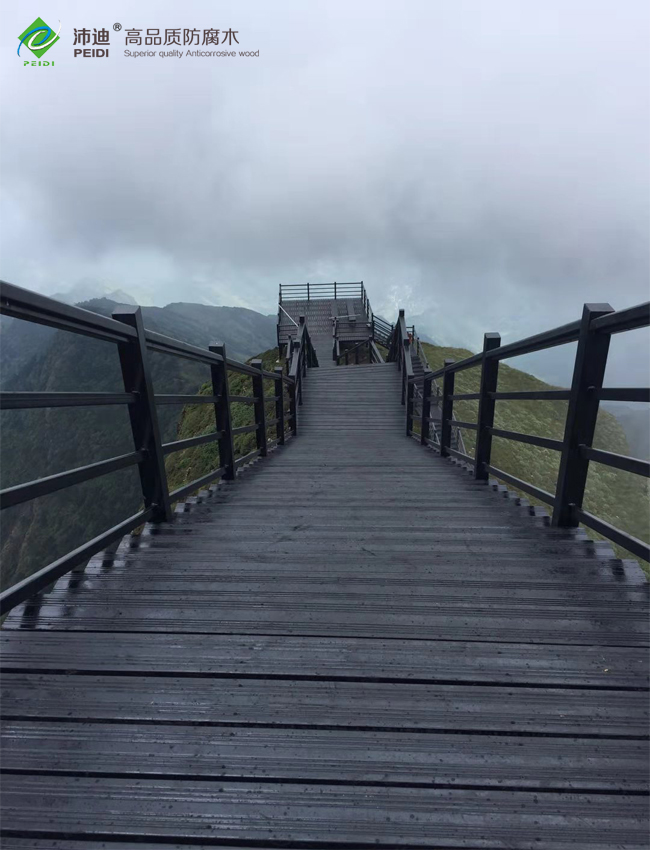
(30, 306)
(461, 365)
(244, 429)
(456, 423)
(245, 369)
(465, 397)
(249, 399)
(169, 345)
(186, 489)
(348, 351)
(179, 445)
(28, 587)
(628, 464)
(533, 395)
(537, 492)
(637, 547)
(531, 439)
(460, 455)
(246, 458)
(623, 320)
(624, 394)
(28, 400)
(356, 284)
(537, 342)
(270, 422)
(50, 484)
(163, 398)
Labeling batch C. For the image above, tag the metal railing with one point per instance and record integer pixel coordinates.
(134, 342)
(300, 354)
(592, 333)
(321, 291)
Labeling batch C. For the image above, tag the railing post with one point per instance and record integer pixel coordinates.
(582, 413)
(448, 381)
(260, 408)
(287, 359)
(356, 355)
(410, 393)
(302, 364)
(136, 374)
(296, 353)
(219, 373)
(425, 426)
(335, 290)
(486, 404)
(293, 407)
(279, 405)
(405, 344)
(307, 290)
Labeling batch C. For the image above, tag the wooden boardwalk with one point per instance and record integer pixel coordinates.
(355, 644)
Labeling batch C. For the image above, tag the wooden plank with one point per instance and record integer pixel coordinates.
(402, 658)
(324, 658)
(324, 704)
(318, 756)
(355, 815)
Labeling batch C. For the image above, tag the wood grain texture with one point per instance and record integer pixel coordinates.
(352, 645)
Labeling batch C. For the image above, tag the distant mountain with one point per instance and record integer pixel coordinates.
(39, 442)
(89, 290)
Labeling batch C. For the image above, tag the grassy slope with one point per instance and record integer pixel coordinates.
(613, 495)
(198, 419)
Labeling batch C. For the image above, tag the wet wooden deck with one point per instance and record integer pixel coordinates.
(353, 645)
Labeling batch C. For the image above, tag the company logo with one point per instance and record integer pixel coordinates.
(38, 37)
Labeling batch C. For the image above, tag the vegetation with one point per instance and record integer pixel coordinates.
(618, 497)
(41, 442)
(198, 419)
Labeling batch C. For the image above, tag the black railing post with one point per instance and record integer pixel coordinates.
(410, 393)
(296, 354)
(582, 413)
(279, 405)
(425, 426)
(303, 348)
(136, 374)
(287, 359)
(335, 290)
(448, 381)
(293, 407)
(404, 347)
(486, 404)
(307, 290)
(260, 408)
(219, 373)
(356, 355)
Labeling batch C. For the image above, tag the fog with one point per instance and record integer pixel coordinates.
(482, 164)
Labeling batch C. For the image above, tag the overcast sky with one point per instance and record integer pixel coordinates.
(482, 163)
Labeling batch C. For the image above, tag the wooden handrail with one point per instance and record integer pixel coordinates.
(592, 333)
(134, 343)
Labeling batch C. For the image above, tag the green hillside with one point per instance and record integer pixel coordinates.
(41, 442)
(618, 497)
(198, 419)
